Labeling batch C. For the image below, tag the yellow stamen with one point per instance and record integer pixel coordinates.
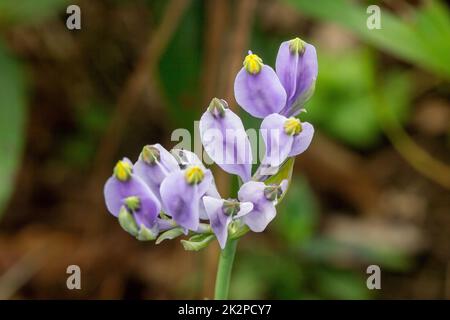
(194, 175)
(122, 170)
(253, 63)
(292, 126)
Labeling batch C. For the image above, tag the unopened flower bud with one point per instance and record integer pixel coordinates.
(292, 126)
(194, 175)
(150, 154)
(253, 63)
(122, 170)
(297, 46)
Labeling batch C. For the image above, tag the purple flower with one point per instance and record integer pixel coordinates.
(155, 163)
(181, 194)
(284, 137)
(225, 140)
(125, 190)
(221, 212)
(187, 158)
(264, 198)
(261, 91)
(297, 68)
(257, 88)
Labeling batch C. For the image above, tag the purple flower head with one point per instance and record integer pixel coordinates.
(181, 194)
(297, 69)
(155, 163)
(264, 198)
(125, 190)
(174, 194)
(284, 137)
(225, 140)
(221, 212)
(261, 91)
(257, 88)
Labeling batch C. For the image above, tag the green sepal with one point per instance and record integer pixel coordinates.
(127, 222)
(170, 234)
(284, 173)
(197, 242)
(146, 234)
(237, 229)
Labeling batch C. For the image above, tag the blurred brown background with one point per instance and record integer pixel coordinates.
(372, 189)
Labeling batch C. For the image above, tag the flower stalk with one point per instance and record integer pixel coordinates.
(224, 269)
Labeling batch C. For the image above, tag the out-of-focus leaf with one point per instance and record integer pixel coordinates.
(297, 215)
(12, 120)
(328, 250)
(282, 280)
(343, 105)
(341, 284)
(26, 11)
(423, 39)
(79, 148)
(180, 68)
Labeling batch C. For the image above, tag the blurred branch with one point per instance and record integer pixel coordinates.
(21, 272)
(135, 84)
(334, 168)
(417, 157)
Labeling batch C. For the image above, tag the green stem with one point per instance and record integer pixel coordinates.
(224, 270)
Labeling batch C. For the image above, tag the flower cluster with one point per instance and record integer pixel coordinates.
(165, 194)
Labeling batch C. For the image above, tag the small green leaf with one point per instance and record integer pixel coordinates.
(170, 234)
(12, 122)
(197, 242)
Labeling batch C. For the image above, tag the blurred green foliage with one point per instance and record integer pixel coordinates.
(344, 104)
(12, 121)
(421, 39)
(180, 68)
(28, 11)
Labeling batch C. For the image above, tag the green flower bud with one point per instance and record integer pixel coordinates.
(127, 222)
